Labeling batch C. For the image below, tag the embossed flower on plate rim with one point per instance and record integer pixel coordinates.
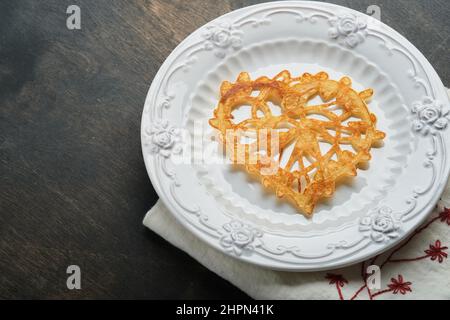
(239, 237)
(431, 115)
(222, 37)
(163, 138)
(348, 29)
(380, 225)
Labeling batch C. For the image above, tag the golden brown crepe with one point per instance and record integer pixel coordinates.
(310, 174)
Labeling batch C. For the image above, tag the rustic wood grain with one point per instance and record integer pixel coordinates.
(74, 189)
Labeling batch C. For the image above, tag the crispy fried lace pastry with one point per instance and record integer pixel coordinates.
(310, 173)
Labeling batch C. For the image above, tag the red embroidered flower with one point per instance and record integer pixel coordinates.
(437, 252)
(336, 279)
(399, 286)
(445, 215)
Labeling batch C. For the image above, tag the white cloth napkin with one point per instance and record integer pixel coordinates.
(423, 271)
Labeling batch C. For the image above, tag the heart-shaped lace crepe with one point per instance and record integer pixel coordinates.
(326, 141)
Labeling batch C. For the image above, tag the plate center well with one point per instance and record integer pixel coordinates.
(352, 196)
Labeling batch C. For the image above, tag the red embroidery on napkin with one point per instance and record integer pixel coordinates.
(339, 281)
(445, 216)
(398, 285)
(436, 252)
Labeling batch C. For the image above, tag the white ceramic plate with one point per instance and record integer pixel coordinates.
(379, 208)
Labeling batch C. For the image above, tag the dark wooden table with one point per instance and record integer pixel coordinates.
(74, 189)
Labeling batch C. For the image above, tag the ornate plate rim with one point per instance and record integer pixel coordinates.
(430, 72)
